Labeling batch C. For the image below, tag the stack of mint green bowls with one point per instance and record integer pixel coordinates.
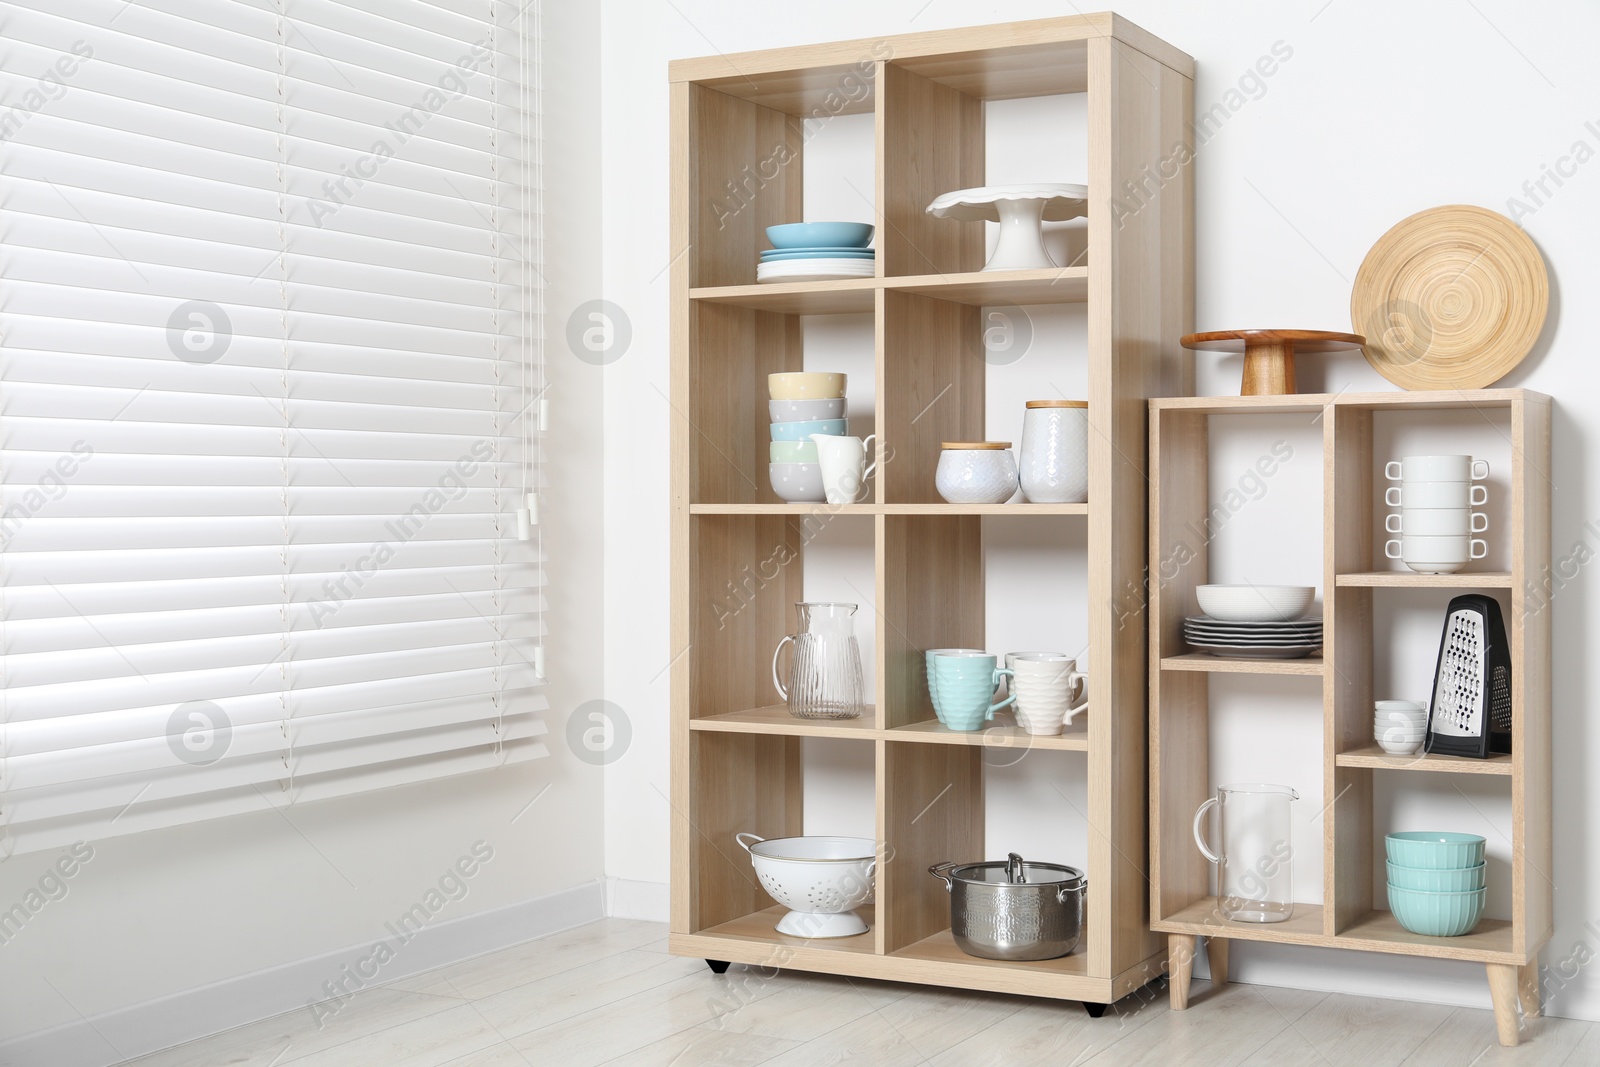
(1436, 881)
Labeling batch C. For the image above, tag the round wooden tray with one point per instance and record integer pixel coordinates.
(1450, 298)
(1269, 354)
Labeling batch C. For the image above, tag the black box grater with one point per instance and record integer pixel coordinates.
(1470, 713)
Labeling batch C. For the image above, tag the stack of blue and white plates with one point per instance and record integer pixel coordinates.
(817, 251)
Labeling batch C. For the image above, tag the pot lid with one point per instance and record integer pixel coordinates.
(1007, 871)
(1057, 404)
(975, 444)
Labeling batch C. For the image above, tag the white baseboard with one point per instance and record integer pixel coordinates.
(628, 899)
(172, 1020)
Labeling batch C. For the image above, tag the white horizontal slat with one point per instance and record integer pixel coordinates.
(21, 468)
(59, 736)
(317, 686)
(299, 508)
(135, 815)
(154, 779)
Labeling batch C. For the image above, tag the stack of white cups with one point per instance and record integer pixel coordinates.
(1436, 522)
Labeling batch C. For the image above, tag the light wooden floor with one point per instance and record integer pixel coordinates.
(608, 993)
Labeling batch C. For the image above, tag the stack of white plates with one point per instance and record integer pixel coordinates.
(815, 264)
(1253, 640)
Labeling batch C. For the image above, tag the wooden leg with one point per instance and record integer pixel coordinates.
(1180, 966)
(1503, 988)
(1528, 988)
(1217, 954)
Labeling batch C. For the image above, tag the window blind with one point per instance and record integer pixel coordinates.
(269, 370)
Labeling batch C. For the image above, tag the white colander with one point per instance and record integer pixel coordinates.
(821, 880)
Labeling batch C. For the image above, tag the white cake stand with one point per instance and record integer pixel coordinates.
(1020, 210)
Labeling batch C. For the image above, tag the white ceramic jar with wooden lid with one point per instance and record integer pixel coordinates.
(976, 472)
(1055, 451)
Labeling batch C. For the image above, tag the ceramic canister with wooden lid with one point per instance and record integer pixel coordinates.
(1055, 451)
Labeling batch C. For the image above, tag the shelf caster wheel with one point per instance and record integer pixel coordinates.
(1095, 1010)
(717, 966)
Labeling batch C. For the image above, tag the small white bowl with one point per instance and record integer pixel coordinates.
(1255, 603)
(1400, 748)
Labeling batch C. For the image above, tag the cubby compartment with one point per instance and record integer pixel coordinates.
(968, 804)
(751, 147)
(748, 572)
(772, 786)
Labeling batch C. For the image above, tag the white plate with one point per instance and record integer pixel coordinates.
(811, 266)
(1288, 637)
(1207, 620)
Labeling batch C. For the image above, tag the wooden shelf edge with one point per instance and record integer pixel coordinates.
(1311, 402)
(1411, 580)
(830, 510)
(1310, 666)
(1001, 737)
(775, 719)
(1374, 756)
(1378, 931)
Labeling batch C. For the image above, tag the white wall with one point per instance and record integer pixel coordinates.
(1381, 110)
(163, 913)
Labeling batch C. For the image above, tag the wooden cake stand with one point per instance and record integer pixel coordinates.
(1269, 354)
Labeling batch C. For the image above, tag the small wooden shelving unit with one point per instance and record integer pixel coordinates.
(736, 759)
(1351, 916)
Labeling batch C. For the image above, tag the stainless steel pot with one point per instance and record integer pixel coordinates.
(1014, 910)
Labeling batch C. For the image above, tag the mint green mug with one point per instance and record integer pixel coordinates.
(964, 683)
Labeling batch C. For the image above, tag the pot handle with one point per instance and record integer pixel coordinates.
(1063, 893)
(784, 693)
(1199, 839)
(942, 870)
(754, 840)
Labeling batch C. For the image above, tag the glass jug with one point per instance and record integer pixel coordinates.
(825, 680)
(1253, 852)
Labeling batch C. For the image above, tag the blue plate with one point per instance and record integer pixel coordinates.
(779, 257)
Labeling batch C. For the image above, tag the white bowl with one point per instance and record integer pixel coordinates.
(1400, 748)
(821, 880)
(1255, 603)
(797, 483)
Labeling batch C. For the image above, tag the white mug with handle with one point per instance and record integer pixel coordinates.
(844, 465)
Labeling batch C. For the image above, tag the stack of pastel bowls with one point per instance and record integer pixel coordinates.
(1436, 881)
(817, 251)
(803, 403)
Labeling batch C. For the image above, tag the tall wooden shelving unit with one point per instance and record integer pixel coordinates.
(736, 758)
(1352, 915)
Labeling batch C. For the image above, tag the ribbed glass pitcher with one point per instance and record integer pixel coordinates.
(825, 680)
